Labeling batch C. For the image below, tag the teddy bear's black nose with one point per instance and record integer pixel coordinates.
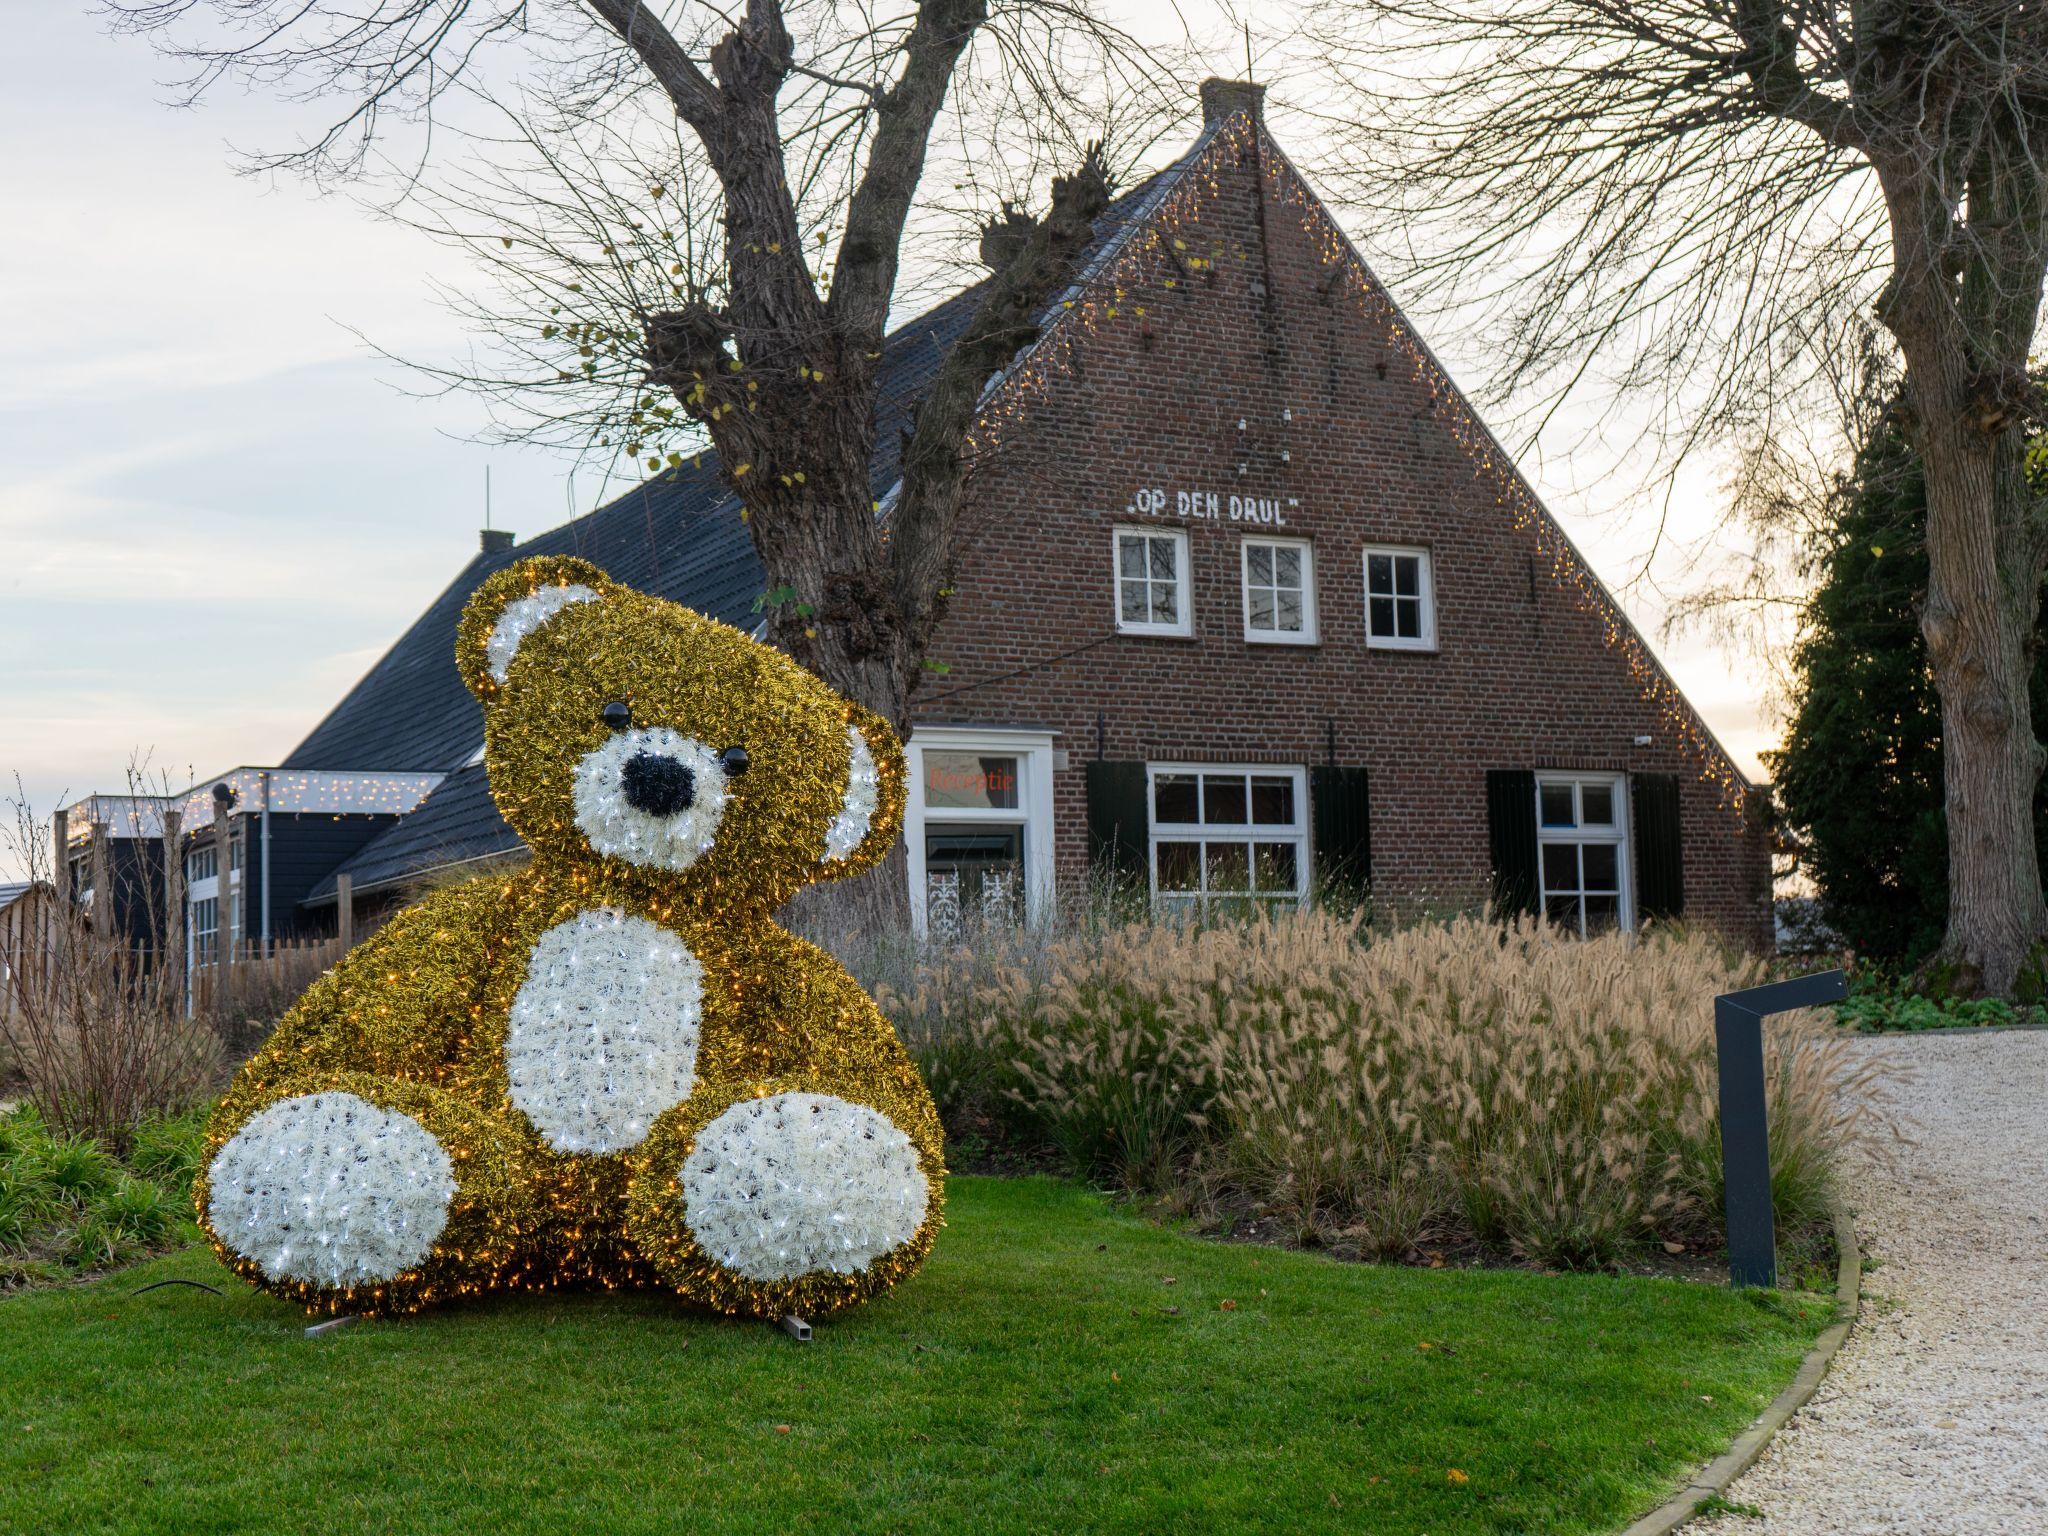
(658, 785)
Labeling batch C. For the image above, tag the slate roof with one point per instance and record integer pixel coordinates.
(678, 536)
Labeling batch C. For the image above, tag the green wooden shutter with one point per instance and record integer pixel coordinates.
(1119, 823)
(1511, 831)
(1660, 851)
(1343, 828)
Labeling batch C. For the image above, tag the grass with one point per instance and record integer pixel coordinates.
(69, 1207)
(1042, 1374)
(1384, 1091)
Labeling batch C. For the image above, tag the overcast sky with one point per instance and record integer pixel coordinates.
(217, 509)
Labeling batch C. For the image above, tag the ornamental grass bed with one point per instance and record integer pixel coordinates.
(1060, 1365)
(1513, 1093)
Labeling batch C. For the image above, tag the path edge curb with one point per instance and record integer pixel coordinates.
(1715, 1477)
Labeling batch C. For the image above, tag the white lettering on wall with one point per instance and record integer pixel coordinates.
(1191, 505)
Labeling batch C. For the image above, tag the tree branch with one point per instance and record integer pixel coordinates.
(864, 278)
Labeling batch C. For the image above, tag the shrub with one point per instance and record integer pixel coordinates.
(1883, 1008)
(1445, 1081)
(94, 1020)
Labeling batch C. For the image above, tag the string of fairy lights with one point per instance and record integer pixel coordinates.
(1170, 252)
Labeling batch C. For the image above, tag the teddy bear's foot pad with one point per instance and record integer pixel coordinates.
(802, 1183)
(328, 1189)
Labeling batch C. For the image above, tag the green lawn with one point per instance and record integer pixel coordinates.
(1041, 1375)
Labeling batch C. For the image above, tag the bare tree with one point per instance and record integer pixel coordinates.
(697, 218)
(1692, 198)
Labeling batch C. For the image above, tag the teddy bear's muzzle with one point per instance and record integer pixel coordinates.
(657, 784)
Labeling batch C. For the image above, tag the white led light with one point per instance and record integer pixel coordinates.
(522, 618)
(849, 828)
(328, 1189)
(802, 1183)
(603, 1034)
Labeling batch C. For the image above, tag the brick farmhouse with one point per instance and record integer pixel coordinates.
(1250, 601)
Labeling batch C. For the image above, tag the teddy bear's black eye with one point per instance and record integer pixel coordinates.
(618, 715)
(734, 760)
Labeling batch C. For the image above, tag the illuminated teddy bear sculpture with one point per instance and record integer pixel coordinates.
(611, 1067)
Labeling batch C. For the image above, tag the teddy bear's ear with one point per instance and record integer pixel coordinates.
(870, 812)
(510, 605)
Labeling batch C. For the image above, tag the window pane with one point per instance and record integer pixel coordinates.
(1602, 912)
(1180, 867)
(1131, 605)
(1560, 866)
(1229, 866)
(1258, 561)
(1410, 617)
(1379, 573)
(1556, 800)
(1163, 562)
(1563, 911)
(1381, 615)
(1287, 566)
(1130, 556)
(1602, 867)
(1262, 609)
(1596, 804)
(1175, 798)
(1407, 576)
(1223, 801)
(1289, 619)
(1273, 801)
(1165, 603)
(1274, 864)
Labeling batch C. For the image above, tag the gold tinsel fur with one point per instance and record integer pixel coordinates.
(415, 1018)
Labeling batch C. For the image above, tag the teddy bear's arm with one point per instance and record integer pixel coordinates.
(400, 1004)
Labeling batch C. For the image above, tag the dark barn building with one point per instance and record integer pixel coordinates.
(1249, 599)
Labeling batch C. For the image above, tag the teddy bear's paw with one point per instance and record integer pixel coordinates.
(330, 1190)
(798, 1184)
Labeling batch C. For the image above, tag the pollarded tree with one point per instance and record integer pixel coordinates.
(1694, 199)
(698, 217)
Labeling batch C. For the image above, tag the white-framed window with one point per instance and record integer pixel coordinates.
(1400, 607)
(205, 928)
(1152, 582)
(1279, 591)
(1227, 834)
(978, 827)
(1582, 850)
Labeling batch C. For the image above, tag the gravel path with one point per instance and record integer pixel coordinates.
(1934, 1418)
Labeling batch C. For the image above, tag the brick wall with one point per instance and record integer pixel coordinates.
(1339, 429)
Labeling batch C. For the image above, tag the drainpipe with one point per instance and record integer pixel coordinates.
(264, 833)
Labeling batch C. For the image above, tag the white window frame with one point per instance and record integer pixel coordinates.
(1296, 832)
(1425, 578)
(207, 888)
(1034, 753)
(1616, 836)
(1306, 635)
(1183, 569)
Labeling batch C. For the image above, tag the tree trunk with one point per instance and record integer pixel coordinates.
(1983, 599)
(1963, 302)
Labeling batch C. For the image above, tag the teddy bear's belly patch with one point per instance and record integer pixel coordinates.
(603, 1034)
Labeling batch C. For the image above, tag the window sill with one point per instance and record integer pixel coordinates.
(1285, 642)
(1403, 647)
